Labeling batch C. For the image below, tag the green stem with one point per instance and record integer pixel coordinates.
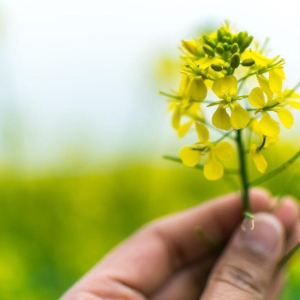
(244, 179)
(273, 173)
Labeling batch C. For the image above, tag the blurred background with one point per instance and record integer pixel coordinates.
(83, 129)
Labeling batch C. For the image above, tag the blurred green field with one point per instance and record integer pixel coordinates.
(54, 228)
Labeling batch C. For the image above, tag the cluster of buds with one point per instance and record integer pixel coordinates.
(227, 65)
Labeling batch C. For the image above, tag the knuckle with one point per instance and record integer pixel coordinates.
(242, 279)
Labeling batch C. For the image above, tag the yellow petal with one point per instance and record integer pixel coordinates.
(256, 98)
(184, 128)
(255, 126)
(203, 133)
(213, 170)
(264, 84)
(268, 126)
(198, 89)
(270, 140)
(258, 159)
(184, 86)
(285, 116)
(225, 87)
(206, 62)
(223, 151)
(239, 116)
(275, 79)
(294, 104)
(259, 59)
(176, 117)
(221, 119)
(189, 157)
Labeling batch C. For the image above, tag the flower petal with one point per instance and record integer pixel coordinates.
(239, 116)
(256, 98)
(198, 89)
(258, 159)
(265, 86)
(184, 128)
(225, 87)
(294, 104)
(275, 79)
(189, 157)
(176, 117)
(223, 151)
(285, 116)
(221, 119)
(213, 170)
(268, 126)
(203, 133)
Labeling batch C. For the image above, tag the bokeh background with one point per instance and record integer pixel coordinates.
(83, 129)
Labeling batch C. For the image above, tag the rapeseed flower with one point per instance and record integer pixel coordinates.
(191, 155)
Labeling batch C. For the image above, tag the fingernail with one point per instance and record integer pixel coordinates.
(266, 237)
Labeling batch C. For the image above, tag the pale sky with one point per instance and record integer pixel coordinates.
(79, 74)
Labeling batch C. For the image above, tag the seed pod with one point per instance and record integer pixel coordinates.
(248, 62)
(209, 41)
(217, 67)
(234, 48)
(208, 50)
(235, 60)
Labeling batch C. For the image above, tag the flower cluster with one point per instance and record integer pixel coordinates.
(228, 73)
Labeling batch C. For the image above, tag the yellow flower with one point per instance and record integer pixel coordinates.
(267, 125)
(191, 92)
(255, 150)
(226, 88)
(258, 159)
(191, 155)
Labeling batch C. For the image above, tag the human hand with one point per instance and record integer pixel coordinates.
(167, 260)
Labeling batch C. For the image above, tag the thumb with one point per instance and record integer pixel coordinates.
(246, 268)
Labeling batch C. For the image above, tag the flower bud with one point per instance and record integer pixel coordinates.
(248, 62)
(209, 41)
(235, 60)
(225, 46)
(219, 49)
(190, 45)
(241, 36)
(246, 43)
(217, 67)
(221, 34)
(234, 48)
(208, 50)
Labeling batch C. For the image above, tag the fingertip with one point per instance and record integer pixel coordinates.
(288, 213)
(261, 200)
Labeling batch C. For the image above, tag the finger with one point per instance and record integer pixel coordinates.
(188, 282)
(280, 277)
(148, 258)
(288, 213)
(246, 268)
(276, 286)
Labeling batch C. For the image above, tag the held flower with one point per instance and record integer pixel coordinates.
(226, 88)
(191, 155)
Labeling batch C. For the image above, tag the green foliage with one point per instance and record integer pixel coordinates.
(53, 229)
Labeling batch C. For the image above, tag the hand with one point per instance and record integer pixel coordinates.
(167, 260)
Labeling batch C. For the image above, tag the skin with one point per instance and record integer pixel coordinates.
(168, 260)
